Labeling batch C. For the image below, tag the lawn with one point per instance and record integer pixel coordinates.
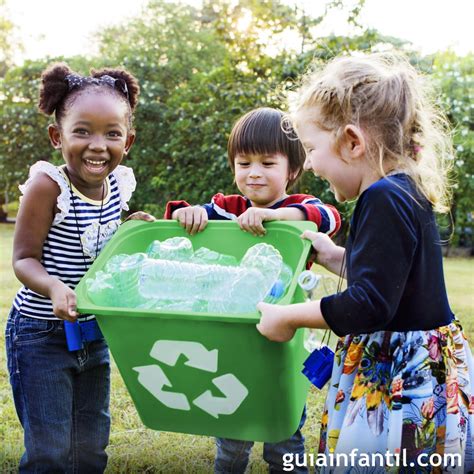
(135, 449)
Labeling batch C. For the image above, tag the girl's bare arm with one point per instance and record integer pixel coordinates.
(35, 216)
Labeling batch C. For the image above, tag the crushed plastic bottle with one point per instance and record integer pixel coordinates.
(191, 281)
(101, 288)
(205, 255)
(118, 285)
(174, 248)
(225, 289)
(315, 287)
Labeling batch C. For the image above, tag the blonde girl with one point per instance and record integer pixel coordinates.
(402, 380)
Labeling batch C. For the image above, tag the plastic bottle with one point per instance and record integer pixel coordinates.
(141, 281)
(226, 289)
(205, 255)
(119, 285)
(174, 248)
(113, 264)
(101, 289)
(281, 285)
(315, 287)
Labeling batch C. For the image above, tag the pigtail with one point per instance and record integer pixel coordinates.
(54, 87)
(122, 74)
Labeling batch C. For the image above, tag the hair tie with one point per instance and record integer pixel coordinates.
(75, 81)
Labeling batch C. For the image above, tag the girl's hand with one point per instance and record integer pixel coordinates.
(252, 220)
(140, 216)
(326, 250)
(193, 218)
(64, 301)
(274, 324)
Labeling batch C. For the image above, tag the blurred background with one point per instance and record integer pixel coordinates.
(202, 64)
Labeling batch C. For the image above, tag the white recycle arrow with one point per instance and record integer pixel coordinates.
(198, 356)
(154, 379)
(233, 390)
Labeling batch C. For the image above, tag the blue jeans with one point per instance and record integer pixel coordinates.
(61, 397)
(233, 455)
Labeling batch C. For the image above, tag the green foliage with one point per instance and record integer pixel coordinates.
(23, 140)
(199, 70)
(455, 76)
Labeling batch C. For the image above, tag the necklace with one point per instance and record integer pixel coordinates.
(77, 220)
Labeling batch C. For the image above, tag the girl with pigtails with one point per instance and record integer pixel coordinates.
(403, 376)
(67, 214)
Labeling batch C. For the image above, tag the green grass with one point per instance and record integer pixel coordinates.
(135, 449)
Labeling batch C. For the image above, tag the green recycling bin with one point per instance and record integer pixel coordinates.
(204, 373)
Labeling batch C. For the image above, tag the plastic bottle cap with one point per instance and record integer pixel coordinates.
(278, 289)
(308, 280)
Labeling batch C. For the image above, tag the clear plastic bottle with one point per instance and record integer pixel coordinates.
(174, 248)
(126, 279)
(113, 264)
(101, 289)
(205, 255)
(117, 285)
(281, 285)
(141, 281)
(315, 287)
(212, 288)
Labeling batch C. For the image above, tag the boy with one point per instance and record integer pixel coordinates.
(265, 161)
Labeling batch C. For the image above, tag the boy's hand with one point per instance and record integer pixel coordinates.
(252, 220)
(193, 218)
(273, 323)
(140, 216)
(64, 301)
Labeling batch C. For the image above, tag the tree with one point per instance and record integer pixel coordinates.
(8, 41)
(455, 76)
(199, 70)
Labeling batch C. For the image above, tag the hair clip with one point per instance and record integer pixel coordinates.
(74, 81)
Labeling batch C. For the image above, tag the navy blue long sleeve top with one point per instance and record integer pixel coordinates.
(395, 278)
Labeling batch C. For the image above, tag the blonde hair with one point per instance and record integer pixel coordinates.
(394, 107)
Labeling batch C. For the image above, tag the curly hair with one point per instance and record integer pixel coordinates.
(56, 95)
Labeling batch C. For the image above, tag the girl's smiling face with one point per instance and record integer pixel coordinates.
(345, 169)
(93, 137)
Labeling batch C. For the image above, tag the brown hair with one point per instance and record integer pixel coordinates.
(260, 131)
(394, 105)
(56, 95)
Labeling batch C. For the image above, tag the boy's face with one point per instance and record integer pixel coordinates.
(262, 178)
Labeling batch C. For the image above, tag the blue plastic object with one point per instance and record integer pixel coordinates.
(278, 289)
(318, 366)
(78, 333)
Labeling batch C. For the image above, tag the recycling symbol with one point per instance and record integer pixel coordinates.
(153, 378)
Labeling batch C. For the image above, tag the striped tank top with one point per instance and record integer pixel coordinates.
(63, 256)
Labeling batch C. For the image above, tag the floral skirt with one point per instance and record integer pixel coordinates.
(400, 402)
